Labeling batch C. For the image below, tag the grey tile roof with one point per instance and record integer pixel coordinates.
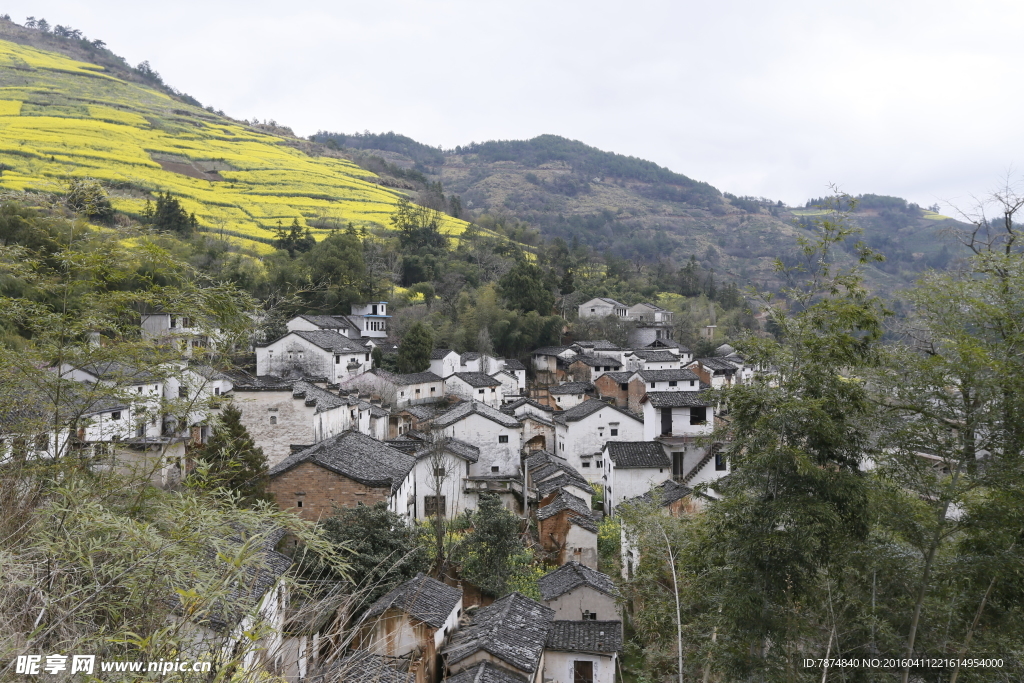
(654, 355)
(513, 629)
(361, 666)
(588, 408)
(438, 354)
(356, 456)
(406, 380)
(598, 345)
(421, 597)
(420, 412)
(329, 340)
(564, 501)
(665, 493)
(571, 388)
(592, 637)
(486, 672)
(637, 454)
(571, 576)
(667, 343)
(461, 449)
(120, 373)
(610, 301)
(315, 396)
(678, 399)
(468, 356)
(519, 402)
(477, 379)
(674, 375)
(719, 364)
(243, 381)
(549, 471)
(588, 523)
(619, 377)
(513, 364)
(549, 350)
(330, 322)
(467, 408)
(595, 361)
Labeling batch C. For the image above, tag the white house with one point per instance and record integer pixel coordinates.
(475, 386)
(189, 334)
(497, 435)
(517, 370)
(684, 414)
(570, 394)
(316, 353)
(579, 593)
(509, 385)
(602, 307)
(582, 432)
(311, 323)
(545, 358)
(444, 363)
(132, 407)
(398, 390)
(651, 359)
(631, 469)
(440, 475)
(578, 651)
(471, 361)
(643, 381)
(371, 319)
(718, 372)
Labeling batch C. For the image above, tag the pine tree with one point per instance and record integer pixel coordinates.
(235, 462)
(414, 353)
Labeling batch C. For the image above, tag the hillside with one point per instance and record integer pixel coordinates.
(61, 117)
(639, 211)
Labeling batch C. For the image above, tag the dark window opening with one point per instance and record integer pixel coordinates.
(673, 383)
(503, 438)
(698, 415)
(719, 462)
(582, 672)
(298, 504)
(624, 387)
(677, 463)
(433, 505)
(615, 432)
(494, 469)
(116, 415)
(666, 420)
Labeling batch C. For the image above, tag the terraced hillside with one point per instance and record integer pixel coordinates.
(62, 118)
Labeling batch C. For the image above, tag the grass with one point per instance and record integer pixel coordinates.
(63, 118)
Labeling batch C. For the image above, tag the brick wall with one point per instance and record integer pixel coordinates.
(319, 489)
(607, 388)
(636, 393)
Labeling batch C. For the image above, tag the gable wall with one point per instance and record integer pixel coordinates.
(318, 489)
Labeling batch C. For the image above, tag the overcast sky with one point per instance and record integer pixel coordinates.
(917, 99)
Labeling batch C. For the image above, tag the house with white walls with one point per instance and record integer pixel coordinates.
(444, 363)
(631, 469)
(582, 432)
(322, 354)
(475, 386)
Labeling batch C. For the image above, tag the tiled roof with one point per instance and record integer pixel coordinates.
(329, 340)
(717, 364)
(120, 373)
(315, 396)
(460, 448)
(665, 493)
(564, 501)
(654, 355)
(674, 375)
(597, 345)
(678, 399)
(406, 380)
(356, 456)
(549, 471)
(513, 629)
(637, 454)
(361, 666)
(243, 381)
(588, 408)
(549, 350)
(619, 377)
(467, 408)
(571, 576)
(420, 412)
(571, 388)
(477, 379)
(595, 361)
(486, 672)
(330, 322)
(519, 402)
(593, 637)
(468, 356)
(438, 354)
(610, 301)
(513, 364)
(421, 597)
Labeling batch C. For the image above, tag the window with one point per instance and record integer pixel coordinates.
(586, 463)
(599, 463)
(417, 391)
(673, 383)
(367, 356)
(615, 432)
(439, 472)
(698, 415)
(624, 387)
(298, 503)
(492, 390)
(140, 390)
(677, 463)
(503, 438)
(273, 419)
(653, 384)
(666, 420)
(494, 469)
(216, 391)
(691, 382)
(589, 616)
(337, 360)
(433, 505)
(433, 389)
(720, 462)
(182, 391)
(116, 415)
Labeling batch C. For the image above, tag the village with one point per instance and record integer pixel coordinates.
(562, 443)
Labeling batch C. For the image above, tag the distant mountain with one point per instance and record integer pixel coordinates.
(551, 186)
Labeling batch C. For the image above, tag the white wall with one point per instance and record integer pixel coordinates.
(489, 395)
(453, 486)
(558, 666)
(292, 353)
(483, 433)
(570, 606)
(445, 367)
(630, 483)
(680, 422)
(589, 435)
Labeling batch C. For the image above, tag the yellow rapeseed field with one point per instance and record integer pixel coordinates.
(60, 118)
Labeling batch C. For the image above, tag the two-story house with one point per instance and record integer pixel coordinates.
(318, 353)
(680, 420)
(443, 466)
(569, 394)
(576, 592)
(651, 359)
(346, 470)
(581, 433)
(567, 530)
(411, 623)
(583, 368)
(399, 391)
(643, 381)
(444, 363)
(718, 372)
(582, 651)
(631, 469)
(475, 386)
